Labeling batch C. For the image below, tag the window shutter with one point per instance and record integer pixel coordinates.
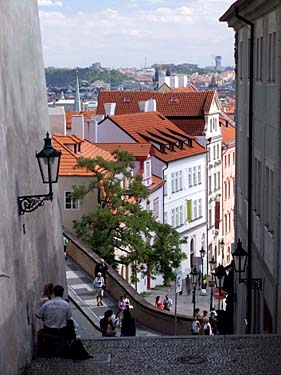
(217, 215)
(189, 210)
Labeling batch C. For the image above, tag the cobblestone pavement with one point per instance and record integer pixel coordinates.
(220, 355)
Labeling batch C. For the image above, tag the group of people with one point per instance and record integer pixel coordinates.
(108, 323)
(206, 324)
(166, 304)
(59, 336)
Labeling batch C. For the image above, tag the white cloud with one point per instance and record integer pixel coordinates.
(188, 33)
(48, 3)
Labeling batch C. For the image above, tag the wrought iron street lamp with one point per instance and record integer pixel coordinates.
(202, 254)
(219, 277)
(194, 280)
(240, 260)
(48, 160)
(212, 264)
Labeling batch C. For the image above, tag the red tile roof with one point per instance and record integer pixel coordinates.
(170, 104)
(157, 182)
(69, 158)
(194, 127)
(228, 133)
(139, 150)
(154, 128)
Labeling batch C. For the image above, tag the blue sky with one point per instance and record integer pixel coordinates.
(121, 33)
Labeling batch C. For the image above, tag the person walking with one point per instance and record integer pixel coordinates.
(214, 323)
(196, 326)
(207, 329)
(167, 303)
(121, 308)
(204, 320)
(99, 285)
(102, 268)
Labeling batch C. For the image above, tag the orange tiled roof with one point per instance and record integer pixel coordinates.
(69, 158)
(228, 133)
(194, 127)
(190, 88)
(154, 128)
(68, 116)
(170, 104)
(157, 182)
(139, 150)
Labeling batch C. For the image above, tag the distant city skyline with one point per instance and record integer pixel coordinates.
(130, 33)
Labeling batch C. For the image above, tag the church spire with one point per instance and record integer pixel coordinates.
(77, 101)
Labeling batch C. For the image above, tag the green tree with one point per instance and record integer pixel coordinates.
(119, 230)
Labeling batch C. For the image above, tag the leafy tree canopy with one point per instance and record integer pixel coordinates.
(120, 231)
(63, 77)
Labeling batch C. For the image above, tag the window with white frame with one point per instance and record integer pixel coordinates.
(200, 207)
(177, 216)
(165, 185)
(70, 203)
(147, 169)
(271, 57)
(177, 181)
(210, 184)
(199, 177)
(156, 208)
(194, 176)
(195, 212)
(218, 151)
(165, 217)
(214, 152)
(215, 181)
(209, 154)
(225, 190)
(219, 180)
(210, 218)
(189, 177)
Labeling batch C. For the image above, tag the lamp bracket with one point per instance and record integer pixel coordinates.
(29, 203)
(256, 284)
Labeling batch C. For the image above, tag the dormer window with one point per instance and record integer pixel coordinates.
(126, 100)
(171, 147)
(162, 149)
(174, 100)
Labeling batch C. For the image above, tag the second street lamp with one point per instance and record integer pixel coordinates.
(194, 280)
(202, 254)
(212, 264)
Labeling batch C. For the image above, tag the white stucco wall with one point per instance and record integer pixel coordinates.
(30, 245)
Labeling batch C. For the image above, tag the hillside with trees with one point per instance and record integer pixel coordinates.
(63, 77)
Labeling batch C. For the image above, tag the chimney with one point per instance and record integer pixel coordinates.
(109, 109)
(150, 105)
(57, 120)
(142, 106)
(77, 125)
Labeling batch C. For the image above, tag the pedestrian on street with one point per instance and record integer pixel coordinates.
(107, 325)
(207, 329)
(204, 320)
(121, 308)
(103, 268)
(196, 326)
(99, 285)
(214, 323)
(188, 285)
